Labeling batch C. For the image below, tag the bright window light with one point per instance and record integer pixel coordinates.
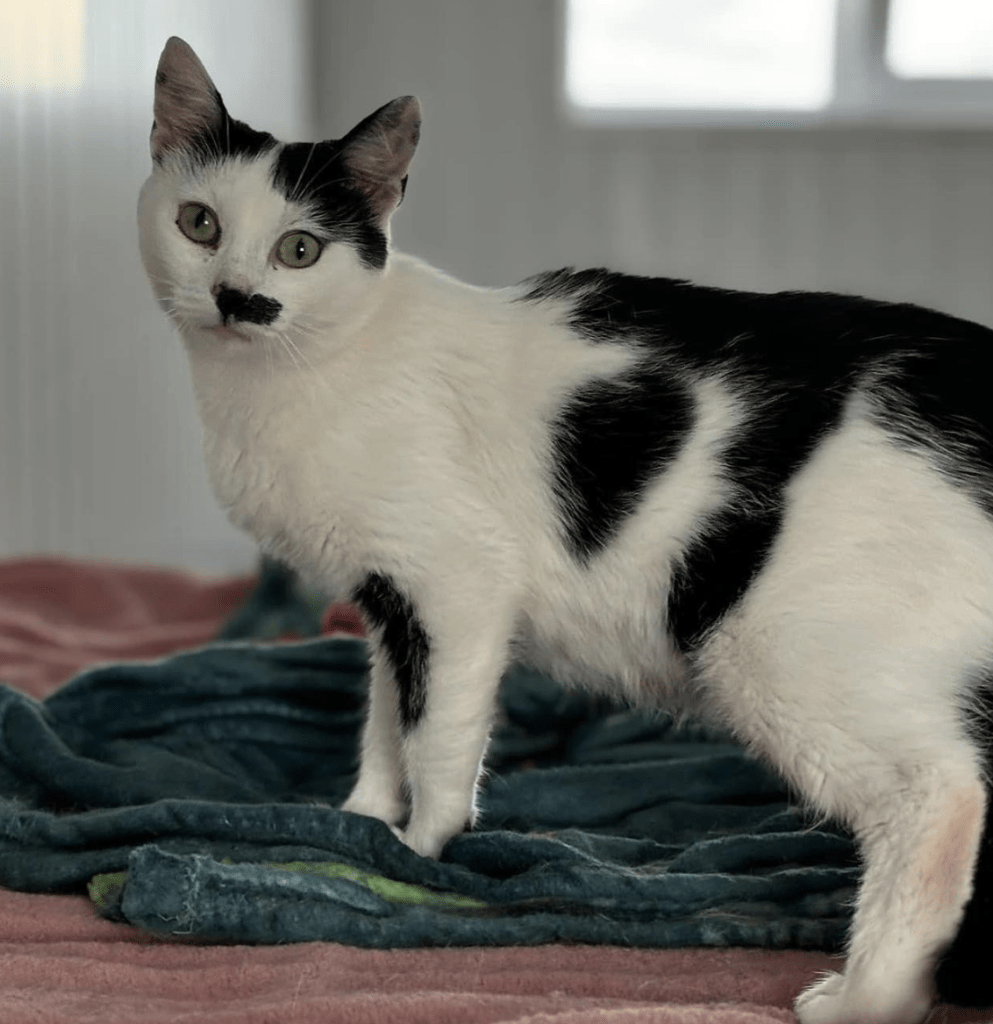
(41, 44)
(701, 54)
(940, 38)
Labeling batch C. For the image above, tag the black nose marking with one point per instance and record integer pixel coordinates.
(253, 309)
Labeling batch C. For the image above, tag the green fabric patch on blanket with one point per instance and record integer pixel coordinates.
(198, 796)
(106, 891)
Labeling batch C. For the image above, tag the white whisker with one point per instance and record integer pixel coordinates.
(306, 164)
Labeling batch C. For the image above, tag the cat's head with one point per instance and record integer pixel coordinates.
(244, 237)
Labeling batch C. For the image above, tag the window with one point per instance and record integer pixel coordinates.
(943, 39)
(41, 44)
(779, 62)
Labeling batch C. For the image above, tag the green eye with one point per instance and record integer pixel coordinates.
(298, 250)
(199, 223)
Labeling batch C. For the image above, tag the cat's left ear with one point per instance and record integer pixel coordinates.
(378, 151)
(187, 103)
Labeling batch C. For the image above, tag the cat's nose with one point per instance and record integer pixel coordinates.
(234, 304)
(230, 302)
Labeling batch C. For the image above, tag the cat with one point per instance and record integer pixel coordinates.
(775, 510)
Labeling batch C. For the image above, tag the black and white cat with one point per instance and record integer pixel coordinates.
(773, 509)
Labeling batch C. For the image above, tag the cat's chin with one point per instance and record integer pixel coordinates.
(227, 333)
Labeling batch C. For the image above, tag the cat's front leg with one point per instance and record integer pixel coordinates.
(378, 791)
(443, 750)
(446, 651)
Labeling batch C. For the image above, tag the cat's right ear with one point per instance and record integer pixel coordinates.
(187, 103)
(377, 153)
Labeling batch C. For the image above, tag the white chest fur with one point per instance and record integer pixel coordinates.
(281, 472)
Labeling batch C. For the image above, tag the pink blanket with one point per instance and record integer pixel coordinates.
(61, 964)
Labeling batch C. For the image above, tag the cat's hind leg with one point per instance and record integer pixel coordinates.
(919, 859)
(850, 663)
(871, 743)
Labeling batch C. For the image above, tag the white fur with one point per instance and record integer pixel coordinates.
(398, 421)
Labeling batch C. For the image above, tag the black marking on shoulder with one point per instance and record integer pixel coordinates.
(604, 306)
(404, 642)
(794, 358)
(609, 440)
(314, 175)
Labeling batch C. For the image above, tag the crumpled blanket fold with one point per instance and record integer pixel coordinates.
(197, 795)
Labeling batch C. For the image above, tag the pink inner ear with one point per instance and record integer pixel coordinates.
(186, 100)
(380, 156)
(376, 167)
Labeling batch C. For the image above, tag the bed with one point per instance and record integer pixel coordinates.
(85, 935)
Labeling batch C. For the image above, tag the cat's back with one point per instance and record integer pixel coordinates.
(791, 363)
(799, 337)
(770, 438)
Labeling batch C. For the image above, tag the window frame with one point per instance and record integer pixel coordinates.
(866, 92)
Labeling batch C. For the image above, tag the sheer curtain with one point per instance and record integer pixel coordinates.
(99, 443)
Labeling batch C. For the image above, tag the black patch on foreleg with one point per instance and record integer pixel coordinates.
(404, 642)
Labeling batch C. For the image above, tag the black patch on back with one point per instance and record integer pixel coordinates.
(315, 175)
(253, 309)
(403, 640)
(796, 358)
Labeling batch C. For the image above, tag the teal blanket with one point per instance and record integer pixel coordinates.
(197, 796)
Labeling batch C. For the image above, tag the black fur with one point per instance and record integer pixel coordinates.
(252, 309)
(716, 571)
(315, 175)
(228, 138)
(794, 358)
(348, 196)
(403, 639)
(608, 442)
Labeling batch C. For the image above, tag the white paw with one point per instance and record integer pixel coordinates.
(387, 807)
(832, 1000)
(426, 843)
(818, 1004)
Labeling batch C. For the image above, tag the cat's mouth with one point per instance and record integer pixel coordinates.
(226, 331)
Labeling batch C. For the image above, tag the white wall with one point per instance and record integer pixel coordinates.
(99, 445)
(504, 187)
(99, 442)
